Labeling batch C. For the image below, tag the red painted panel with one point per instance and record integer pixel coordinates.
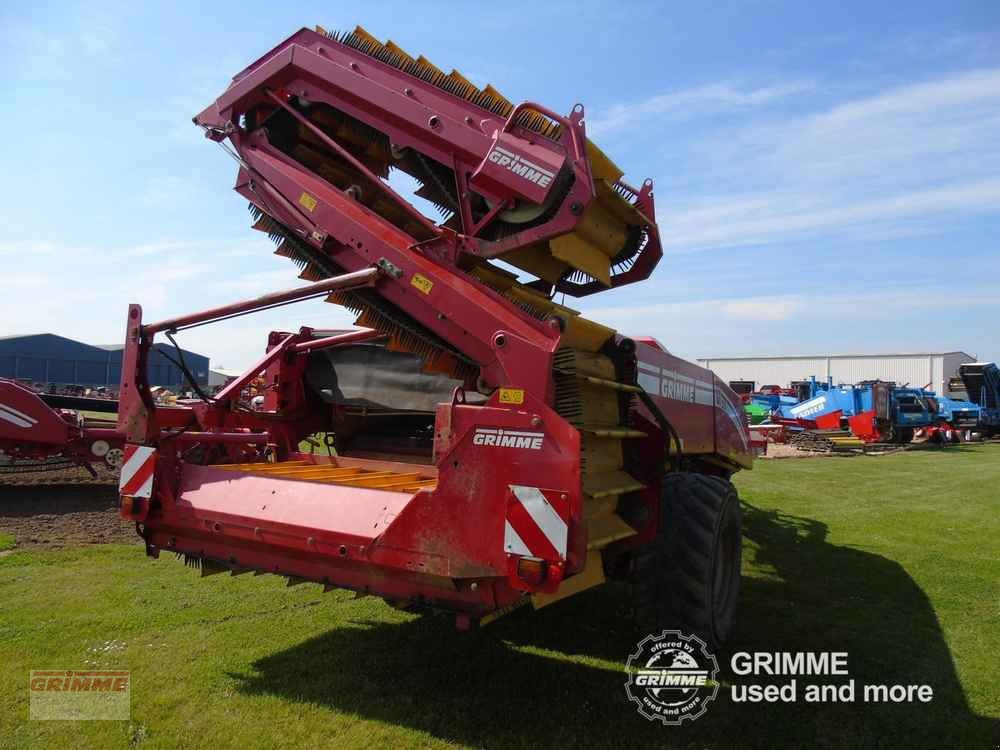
(25, 418)
(830, 421)
(292, 510)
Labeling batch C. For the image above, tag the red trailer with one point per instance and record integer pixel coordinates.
(492, 448)
(37, 434)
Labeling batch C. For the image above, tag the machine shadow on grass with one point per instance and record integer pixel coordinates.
(555, 678)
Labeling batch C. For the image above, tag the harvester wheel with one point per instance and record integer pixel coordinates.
(688, 578)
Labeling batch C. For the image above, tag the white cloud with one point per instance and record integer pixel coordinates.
(916, 99)
(260, 282)
(100, 33)
(766, 308)
(168, 277)
(684, 104)
(168, 192)
(786, 216)
(906, 161)
(161, 247)
(773, 323)
(254, 245)
(25, 248)
(83, 36)
(23, 280)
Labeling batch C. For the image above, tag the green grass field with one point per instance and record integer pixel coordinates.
(894, 559)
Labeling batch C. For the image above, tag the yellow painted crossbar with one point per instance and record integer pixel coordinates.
(350, 476)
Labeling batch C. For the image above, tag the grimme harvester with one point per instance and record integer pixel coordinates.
(42, 431)
(493, 448)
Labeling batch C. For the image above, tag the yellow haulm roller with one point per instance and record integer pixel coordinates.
(607, 231)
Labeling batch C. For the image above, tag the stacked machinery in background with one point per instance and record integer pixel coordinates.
(982, 385)
(877, 411)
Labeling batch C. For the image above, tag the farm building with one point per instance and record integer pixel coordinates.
(48, 358)
(918, 370)
(220, 376)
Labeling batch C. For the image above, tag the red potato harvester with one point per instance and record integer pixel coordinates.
(493, 448)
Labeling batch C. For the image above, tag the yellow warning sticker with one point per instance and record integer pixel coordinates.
(511, 396)
(422, 283)
(307, 202)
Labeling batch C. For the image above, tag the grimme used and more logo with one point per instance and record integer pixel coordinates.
(498, 438)
(672, 677)
(70, 694)
(520, 166)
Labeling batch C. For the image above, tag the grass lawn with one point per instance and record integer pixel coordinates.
(894, 559)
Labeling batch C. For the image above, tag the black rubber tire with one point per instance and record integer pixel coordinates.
(688, 577)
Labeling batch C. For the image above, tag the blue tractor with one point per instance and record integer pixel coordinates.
(962, 415)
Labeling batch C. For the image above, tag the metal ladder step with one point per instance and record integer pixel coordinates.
(610, 483)
(612, 432)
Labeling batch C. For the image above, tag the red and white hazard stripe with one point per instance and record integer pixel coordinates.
(537, 523)
(137, 471)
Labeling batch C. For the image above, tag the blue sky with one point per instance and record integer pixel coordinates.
(827, 175)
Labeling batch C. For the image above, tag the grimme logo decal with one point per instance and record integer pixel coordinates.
(72, 694)
(672, 677)
(660, 381)
(520, 166)
(498, 438)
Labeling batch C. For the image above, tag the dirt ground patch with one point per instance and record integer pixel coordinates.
(62, 509)
(75, 475)
(784, 450)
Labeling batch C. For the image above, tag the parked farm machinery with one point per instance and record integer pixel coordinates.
(957, 421)
(982, 385)
(871, 411)
(493, 448)
(40, 431)
(874, 411)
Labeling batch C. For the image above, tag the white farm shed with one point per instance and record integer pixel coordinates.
(218, 376)
(917, 370)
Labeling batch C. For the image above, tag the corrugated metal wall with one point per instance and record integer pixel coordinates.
(917, 370)
(47, 358)
(767, 371)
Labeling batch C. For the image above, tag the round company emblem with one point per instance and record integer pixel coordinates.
(672, 677)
